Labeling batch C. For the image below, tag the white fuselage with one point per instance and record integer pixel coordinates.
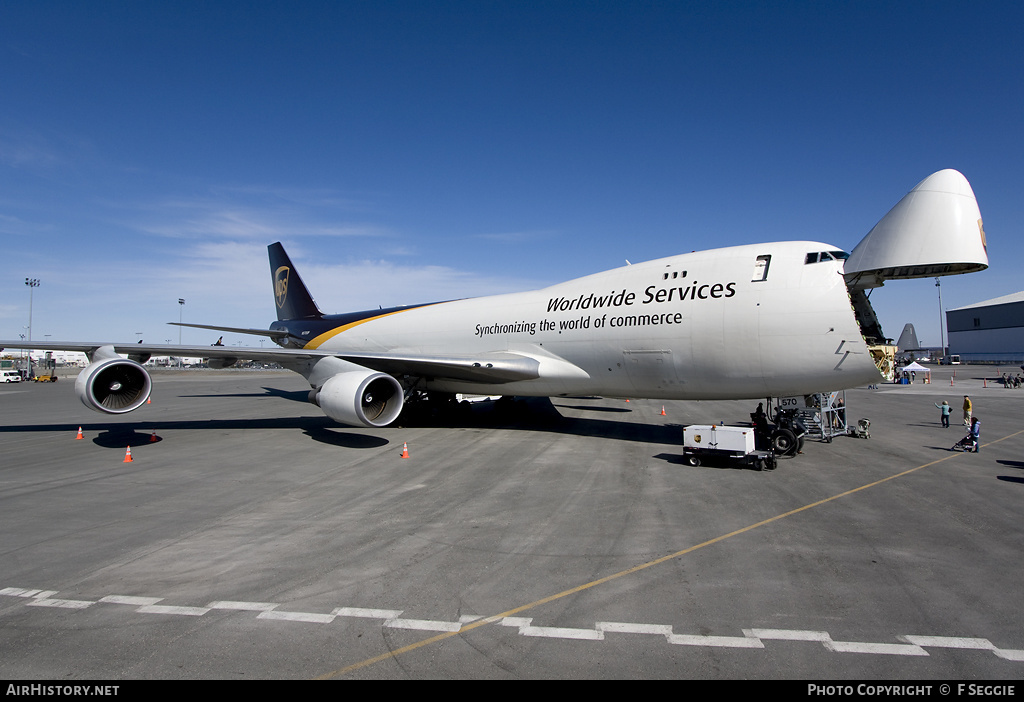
(742, 322)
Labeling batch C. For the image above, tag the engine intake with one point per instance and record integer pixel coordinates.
(113, 386)
(360, 397)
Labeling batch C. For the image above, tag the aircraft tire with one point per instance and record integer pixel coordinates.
(784, 442)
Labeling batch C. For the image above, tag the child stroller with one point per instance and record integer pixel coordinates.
(965, 444)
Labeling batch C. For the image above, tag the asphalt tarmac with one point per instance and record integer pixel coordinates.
(252, 538)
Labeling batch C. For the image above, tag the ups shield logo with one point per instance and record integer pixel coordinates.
(281, 285)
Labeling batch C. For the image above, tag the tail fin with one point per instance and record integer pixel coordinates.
(908, 339)
(292, 298)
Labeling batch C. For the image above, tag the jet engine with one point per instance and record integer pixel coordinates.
(360, 397)
(113, 385)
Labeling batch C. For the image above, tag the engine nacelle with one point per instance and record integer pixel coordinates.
(113, 386)
(360, 397)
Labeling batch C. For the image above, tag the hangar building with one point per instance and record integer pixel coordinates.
(991, 331)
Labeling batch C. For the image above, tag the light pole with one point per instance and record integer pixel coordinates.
(181, 310)
(942, 332)
(31, 283)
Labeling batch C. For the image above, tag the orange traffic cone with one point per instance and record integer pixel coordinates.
(984, 382)
(149, 401)
(405, 450)
(128, 455)
(663, 411)
(152, 438)
(79, 434)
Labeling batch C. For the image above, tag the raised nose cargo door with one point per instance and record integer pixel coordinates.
(934, 230)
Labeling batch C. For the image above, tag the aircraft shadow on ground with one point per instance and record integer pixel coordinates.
(528, 414)
(589, 408)
(293, 395)
(120, 436)
(540, 414)
(123, 437)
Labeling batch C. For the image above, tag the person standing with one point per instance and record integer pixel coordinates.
(945, 409)
(967, 411)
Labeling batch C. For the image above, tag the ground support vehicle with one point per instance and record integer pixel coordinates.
(728, 443)
(819, 416)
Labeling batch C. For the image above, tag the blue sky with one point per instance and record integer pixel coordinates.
(414, 151)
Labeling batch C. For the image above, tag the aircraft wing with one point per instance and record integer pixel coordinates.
(491, 367)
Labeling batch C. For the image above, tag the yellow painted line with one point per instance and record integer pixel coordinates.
(629, 571)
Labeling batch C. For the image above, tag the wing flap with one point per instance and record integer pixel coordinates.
(494, 367)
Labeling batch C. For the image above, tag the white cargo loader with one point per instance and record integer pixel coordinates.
(701, 441)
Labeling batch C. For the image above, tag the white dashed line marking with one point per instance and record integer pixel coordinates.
(67, 604)
(169, 609)
(310, 617)
(138, 601)
(913, 645)
(367, 613)
(243, 606)
(719, 641)
(422, 625)
(949, 642)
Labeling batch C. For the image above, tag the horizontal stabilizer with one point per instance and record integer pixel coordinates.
(271, 333)
(934, 230)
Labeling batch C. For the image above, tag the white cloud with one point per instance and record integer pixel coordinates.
(223, 282)
(235, 220)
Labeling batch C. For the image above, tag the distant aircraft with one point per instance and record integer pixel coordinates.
(908, 339)
(745, 322)
(910, 349)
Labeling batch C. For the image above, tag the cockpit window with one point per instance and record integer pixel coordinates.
(822, 256)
